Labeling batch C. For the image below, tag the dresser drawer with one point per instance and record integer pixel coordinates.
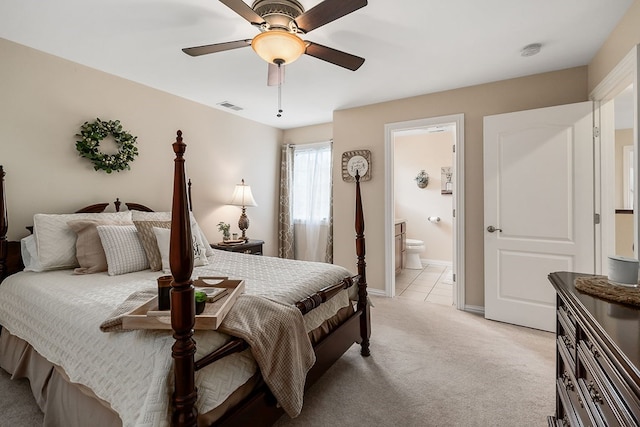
(566, 339)
(565, 312)
(604, 403)
(622, 394)
(602, 389)
(572, 408)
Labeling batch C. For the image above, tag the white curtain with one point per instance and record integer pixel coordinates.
(311, 202)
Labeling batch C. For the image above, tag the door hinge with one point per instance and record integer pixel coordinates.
(454, 148)
(596, 131)
(596, 218)
(454, 213)
(454, 277)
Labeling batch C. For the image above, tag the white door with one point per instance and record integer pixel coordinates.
(538, 209)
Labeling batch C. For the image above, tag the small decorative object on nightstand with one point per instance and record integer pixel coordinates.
(249, 247)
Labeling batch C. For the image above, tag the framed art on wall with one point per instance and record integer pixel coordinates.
(356, 160)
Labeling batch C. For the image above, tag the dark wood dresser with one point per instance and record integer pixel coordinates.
(597, 360)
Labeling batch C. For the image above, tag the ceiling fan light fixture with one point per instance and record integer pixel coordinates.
(278, 46)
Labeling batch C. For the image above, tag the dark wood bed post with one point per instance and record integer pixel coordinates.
(4, 227)
(182, 297)
(363, 304)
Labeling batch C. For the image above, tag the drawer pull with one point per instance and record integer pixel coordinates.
(594, 393)
(592, 349)
(566, 380)
(567, 341)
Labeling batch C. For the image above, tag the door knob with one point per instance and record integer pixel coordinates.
(491, 229)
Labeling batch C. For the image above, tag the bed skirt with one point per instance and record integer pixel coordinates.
(70, 404)
(55, 395)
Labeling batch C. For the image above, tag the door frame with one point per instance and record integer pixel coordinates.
(622, 75)
(458, 201)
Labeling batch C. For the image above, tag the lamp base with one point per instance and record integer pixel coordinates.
(243, 224)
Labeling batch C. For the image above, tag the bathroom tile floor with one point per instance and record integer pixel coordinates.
(434, 283)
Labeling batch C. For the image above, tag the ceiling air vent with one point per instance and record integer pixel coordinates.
(227, 104)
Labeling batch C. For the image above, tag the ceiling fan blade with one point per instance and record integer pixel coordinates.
(275, 77)
(243, 9)
(217, 47)
(327, 11)
(342, 59)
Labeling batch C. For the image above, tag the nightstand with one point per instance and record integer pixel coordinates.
(250, 247)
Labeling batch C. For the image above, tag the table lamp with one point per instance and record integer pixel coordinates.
(242, 197)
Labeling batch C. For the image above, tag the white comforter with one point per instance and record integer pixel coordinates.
(59, 314)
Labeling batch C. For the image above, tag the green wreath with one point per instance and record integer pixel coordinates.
(89, 145)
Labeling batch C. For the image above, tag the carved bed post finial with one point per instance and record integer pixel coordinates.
(182, 297)
(365, 320)
(4, 227)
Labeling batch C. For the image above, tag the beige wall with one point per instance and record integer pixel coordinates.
(309, 134)
(46, 99)
(413, 153)
(622, 39)
(363, 128)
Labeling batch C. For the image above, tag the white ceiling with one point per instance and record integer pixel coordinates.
(412, 47)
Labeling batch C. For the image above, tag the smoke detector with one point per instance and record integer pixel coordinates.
(531, 49)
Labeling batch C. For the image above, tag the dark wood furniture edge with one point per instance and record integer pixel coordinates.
(4, 228)
(600, 335)
(184, 412)
(596, 384)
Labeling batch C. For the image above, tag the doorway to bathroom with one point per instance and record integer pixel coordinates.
(424, 216)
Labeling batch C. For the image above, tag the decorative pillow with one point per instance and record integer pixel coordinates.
(166, 216)
(163, 236)
(56, 241)
(149, 242)
(122, 248)
(89, 251)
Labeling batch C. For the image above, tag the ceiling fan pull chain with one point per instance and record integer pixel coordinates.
(279, 90)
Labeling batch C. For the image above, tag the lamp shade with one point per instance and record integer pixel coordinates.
(242, 196)
(278, 46)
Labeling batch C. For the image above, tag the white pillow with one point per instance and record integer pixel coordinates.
(122, 248)
(163, 237)
(56, 241)
(166, 216)
(29, 253)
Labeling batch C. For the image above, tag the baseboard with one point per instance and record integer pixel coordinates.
(477, 309)
(436, 262)
(376, 292)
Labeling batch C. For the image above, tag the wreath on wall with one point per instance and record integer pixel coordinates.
(89, 145)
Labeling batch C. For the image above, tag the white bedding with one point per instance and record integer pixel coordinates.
(59, 314)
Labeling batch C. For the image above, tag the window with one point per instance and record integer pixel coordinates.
(311, 182)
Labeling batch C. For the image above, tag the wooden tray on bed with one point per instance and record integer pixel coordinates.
(147, 315)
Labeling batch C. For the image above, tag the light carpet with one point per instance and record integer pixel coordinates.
(430, 365)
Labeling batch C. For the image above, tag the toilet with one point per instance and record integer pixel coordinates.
(413, 249)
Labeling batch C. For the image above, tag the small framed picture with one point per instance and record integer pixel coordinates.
(356, 161)
(446, 182)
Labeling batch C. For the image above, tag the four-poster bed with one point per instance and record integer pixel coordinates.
(331, 336)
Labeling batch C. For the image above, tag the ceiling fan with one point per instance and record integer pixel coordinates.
(281, 22)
